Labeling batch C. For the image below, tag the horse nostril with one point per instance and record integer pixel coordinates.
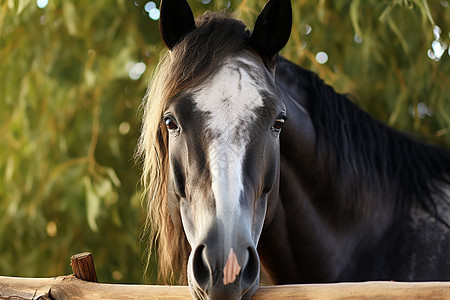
(201, 268)
(250, 273)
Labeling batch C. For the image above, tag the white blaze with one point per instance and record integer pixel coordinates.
(229, 100)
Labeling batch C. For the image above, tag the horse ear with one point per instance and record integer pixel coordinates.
(272, 28)
(176, 20)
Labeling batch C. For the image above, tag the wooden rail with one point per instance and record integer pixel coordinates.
(71, 287)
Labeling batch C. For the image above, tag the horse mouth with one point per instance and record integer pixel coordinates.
(198, 293)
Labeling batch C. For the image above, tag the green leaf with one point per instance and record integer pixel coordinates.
(92, 204)
(113, 176)
(70, 17)
(22, 5)
(354, 16)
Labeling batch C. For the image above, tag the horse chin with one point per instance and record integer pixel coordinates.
(198, 293)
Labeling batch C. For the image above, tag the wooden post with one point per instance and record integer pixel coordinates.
(83, 266)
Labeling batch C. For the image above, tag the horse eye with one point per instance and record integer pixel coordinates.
(278, 125)
(171, 124)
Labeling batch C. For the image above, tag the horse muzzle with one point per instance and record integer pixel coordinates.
(216, 273)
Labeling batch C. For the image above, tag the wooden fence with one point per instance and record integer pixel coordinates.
(72, 287)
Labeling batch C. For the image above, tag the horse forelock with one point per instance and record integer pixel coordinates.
(189, 64)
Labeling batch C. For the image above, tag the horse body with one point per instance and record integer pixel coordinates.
(331, 196)
(330, 234)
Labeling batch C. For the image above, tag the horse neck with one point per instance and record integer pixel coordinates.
(344, 179)
(333, 144)
(323, 214)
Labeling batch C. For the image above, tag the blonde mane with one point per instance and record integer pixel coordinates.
(187, 65)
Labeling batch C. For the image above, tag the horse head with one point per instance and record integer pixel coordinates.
(212, 125)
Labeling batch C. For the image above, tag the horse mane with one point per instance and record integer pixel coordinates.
(197, 57)
(360, 149)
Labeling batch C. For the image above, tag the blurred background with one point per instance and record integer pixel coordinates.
(72, 77)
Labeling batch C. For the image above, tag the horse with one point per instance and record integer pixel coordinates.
(250, 160)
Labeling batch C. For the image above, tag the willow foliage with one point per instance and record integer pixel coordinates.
(72, 76)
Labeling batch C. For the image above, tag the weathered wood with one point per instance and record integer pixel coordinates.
(70, 287)
(83, 266)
